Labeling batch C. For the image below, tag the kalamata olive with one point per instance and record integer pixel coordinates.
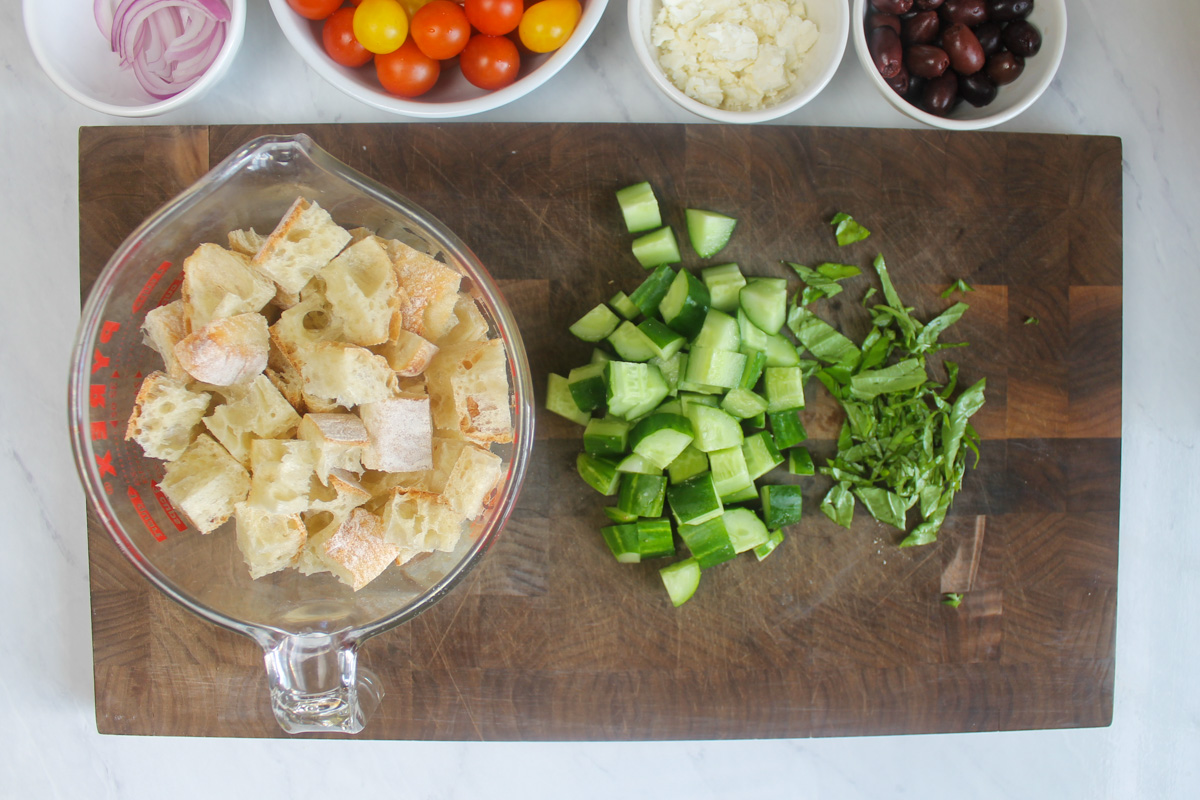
(966, 54)
(883, 21)
(940, 94)
(988, 35)
(1008, 10)
(927, 5)
(892, 6)
(977, 89)
(921, 28)
(899, 82)
(1021, 38)
(926, 61)
(1004, 68)
(966, 12)
(886, 51)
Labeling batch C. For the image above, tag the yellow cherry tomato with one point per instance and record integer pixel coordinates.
(548, 24)
(381, 26)
(412, 6)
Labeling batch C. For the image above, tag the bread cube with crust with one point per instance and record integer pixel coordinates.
(341, 493)
(304, 241)
(166, 416)
(419, 522)
(205, 483)
(468, 384)
(353, 549)
(430, 291)
(346, 374)
(469, 326)
(226, 351)
(401, 434)
(269, 542)
(338, 441)
(247, 241)
(221, 283)
(407, 353)
(360, 286)
(472, 480)
(281, 471)
(306, 323)
(161, 331)
(254, 411)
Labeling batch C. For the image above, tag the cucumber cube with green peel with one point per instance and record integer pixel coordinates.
(743, 403)
(761, 454)
(708, 542)
(596, 324)
(622, 540)
(719, 332)
(708, 366)
(784, 389)
(624, 306)
(695, 500)
(631, 343)
(729, 472)
(681, 580)
(714, 429)
(656, 248)
(642, 495)
(655, 539)
(651, 292)
(660, 438)
(587, 386)
(724, 282)
(639, 207)
(618, 516)
(688, 464)
(787, 429)
(800, 462)
(765, 302)
(665, 342)
(606, 437)
(746, 530)
(561, 402)
(598, 473)
(781, 505)
(685, 304)
(766, 548)
(708, 231)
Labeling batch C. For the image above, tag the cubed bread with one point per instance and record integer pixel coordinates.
(269, 542)
(205, 483)
(355, 551)
(307, 322)
(254, 411)
(430, 291)
(166, 416)
(472, 480)
(407, 353)
(281, 471)
(247, 242)
(338, 440)
(303, 242)
(162, 329)
(360, 286)
(468, 384)
(419, 522)
(470, 325)
(221, 283)
(401, 434)
(226, 351)
(346, 374)
(339, 495)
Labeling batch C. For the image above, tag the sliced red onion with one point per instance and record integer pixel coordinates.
(168, 44)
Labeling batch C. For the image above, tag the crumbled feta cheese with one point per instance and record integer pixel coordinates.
(732, 54)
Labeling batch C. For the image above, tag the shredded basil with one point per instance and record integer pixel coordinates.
(959, 285)
(847, 230)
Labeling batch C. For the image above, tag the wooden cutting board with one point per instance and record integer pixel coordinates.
(837, 633)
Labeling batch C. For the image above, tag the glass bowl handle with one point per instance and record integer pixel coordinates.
(316, 685)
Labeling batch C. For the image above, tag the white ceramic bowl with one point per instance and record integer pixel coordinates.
(1050, 17)
(453, 96)
(832, 19)
(75, 55)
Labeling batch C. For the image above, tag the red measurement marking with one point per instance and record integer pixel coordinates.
(99, 361)
(96, 395)
(169, 294)
(105, 464)
(179, 524)
(99, 430)
(107, 330)
(142, 512)
(151, 282)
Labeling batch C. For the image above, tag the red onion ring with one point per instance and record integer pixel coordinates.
(168, 44)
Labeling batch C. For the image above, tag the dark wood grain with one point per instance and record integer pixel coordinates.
(839, 632)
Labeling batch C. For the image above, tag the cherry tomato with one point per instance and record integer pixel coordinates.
(440, 29)
(380, 25)
(411, 6)
(337, 34)
(490, 62)
(494, 17)
(315, 9)
(407, 71)
(548, 24)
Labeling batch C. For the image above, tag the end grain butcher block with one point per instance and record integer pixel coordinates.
(838, 632)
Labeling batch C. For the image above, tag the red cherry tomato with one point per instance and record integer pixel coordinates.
(490, 62)
(315, 9)
(407, 72)
(494, 17)
(440, 29)
(337, 34)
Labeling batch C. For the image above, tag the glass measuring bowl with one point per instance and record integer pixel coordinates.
(309, 627)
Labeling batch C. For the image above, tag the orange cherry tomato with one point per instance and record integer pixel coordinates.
(407, 71)
(494, 17)
(440, 29)
(337, 35)
(490, 62)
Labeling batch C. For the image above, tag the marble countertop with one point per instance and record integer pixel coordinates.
(1127, 72)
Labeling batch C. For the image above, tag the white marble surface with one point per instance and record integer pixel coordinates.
(1128, 71)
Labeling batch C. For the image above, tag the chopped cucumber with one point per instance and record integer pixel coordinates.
(708, 366)
(606, 437)
(670, 369)
(681, 580)
(780, 352)
(759, 422)
(599, 356)
(688, 464)
(714, 429)
(724, 283)
(622, 540)
(560, 401)
(784, 388)
(756, 360)
(746, 530)
(618, 516)
(774, 539)
(800, 461)
(664, 341)
(781, 505)
(635, 463)
(672, 406)
(753, 337)
(587, 386)
(655, 539)
(787, 429)
(596, 324)
(598, 473)
(633, 389)
(642, 494)
(639, 207)
(660, 438)
(708, 542)
(631, 343)
(743, 403)
(744, 496)
(656, 248)
(729, 472)
(719, 331)
(688, 399)
(695, 500)
(624, 306)
(652, 291)
(761, 454)
(765, 302)
(708, 231)
(685, 304)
